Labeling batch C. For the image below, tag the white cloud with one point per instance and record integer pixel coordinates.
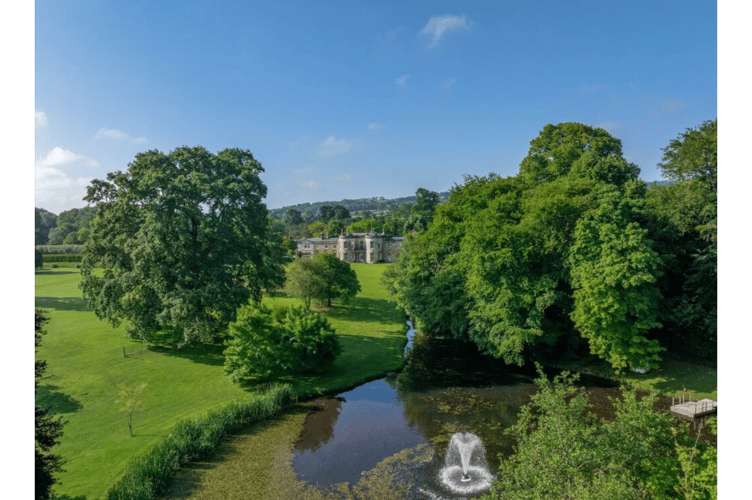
(401, 81)
(449, 82)
(310, 184)
(374, 127)
(54, 189)
(345, 177)
(57, 157)
(334, 147)
(40, 118)
(439, 25)
(112, 133)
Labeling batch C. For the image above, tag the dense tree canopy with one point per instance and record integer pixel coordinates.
(550, 260)
(182, 238)
(682, 217)
(44, 222)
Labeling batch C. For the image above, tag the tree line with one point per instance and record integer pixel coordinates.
(574, 255)
(396, 217)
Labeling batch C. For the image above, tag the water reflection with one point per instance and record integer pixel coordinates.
(368, 426)
(447, 386)
(319, 424)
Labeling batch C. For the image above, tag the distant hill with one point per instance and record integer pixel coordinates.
(375, 204)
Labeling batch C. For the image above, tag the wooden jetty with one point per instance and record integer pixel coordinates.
(695, 409)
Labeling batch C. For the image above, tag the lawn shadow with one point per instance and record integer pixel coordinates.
(55, 272)
(61, 303)
(68, 497)
(208, 354)
(365, 309)
(189, 478)
(49, 396)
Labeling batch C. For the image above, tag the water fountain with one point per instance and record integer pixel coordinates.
(465, 470)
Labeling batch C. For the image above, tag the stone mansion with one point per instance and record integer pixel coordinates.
(354, 247)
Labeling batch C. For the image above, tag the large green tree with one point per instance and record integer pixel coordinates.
(503, 263)
(322, 278)
(683, 220)
(182, 240)
(340, 280)
(305, 280)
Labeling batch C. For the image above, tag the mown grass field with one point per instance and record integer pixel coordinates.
(86, 363)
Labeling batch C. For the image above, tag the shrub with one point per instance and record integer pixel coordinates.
(265, 343)
(59, 249)
(62, 258)
(564, 452)
(38, 260)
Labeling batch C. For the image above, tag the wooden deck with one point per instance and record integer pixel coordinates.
(695, 409)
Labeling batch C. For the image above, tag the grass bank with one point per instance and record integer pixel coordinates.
(674, 377)
(86, 362)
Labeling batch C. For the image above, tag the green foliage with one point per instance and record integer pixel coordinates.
(614, 271)
(529, 266)
(44, 221)
(265, 343)
(48, 430)
(421, 213)
(61, 257)
(322, 278)
(183, 241)
(147, 475)
(60, 249)
(579, 150)
(338, 278)
(305, 280)
(693, 155)
(38, 259)
(72, 226)
(563, 452)
(683, 220)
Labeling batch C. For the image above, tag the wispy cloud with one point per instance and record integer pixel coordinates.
(374, 127)
(335, 147)
(345, 177)
(401, 81)
(58, 157)
(438, 26)
(310, 184)
(111, 133)
(449, 82)
(40, 119)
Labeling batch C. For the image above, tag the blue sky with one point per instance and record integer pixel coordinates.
(358, 99)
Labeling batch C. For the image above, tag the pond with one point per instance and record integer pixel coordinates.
(388, 438)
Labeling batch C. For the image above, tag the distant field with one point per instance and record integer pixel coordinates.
(85, 359)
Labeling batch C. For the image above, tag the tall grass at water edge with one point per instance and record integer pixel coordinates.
(148, 475)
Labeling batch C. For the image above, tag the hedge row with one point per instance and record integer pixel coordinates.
(71, 257)
(57, 249)
(147, 476)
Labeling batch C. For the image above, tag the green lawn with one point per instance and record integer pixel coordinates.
(85, 364)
